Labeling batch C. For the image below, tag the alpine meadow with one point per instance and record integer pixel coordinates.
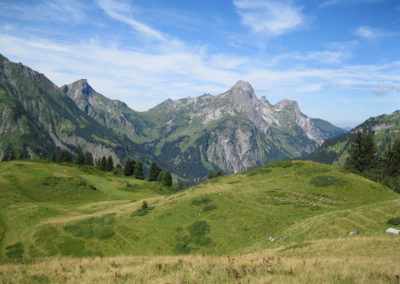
(232, 141)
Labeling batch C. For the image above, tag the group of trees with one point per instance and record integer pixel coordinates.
(363, 158)
(14, 156)
(105, 164)
(133, 168)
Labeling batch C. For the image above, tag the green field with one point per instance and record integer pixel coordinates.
(76, 217)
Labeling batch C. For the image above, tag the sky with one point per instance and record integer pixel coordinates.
(340, 59)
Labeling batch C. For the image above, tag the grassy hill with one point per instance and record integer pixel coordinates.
(49, 210)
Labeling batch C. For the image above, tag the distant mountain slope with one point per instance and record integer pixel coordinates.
(111, 113)
(233, 131)
(384, 129)
(38, 118)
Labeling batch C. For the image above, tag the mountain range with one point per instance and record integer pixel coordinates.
(191, 137)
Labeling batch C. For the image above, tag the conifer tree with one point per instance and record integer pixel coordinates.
(88, 159)
(167, 178)
(54, 157)
(392, 159)
(12, 156)
(103, 164)
(65, 157)
(80, 159)
(139, 170)
(129, 167)
(109, 164)
(153, 172)
(362, 153)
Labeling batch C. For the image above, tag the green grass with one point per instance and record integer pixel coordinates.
(55, 210)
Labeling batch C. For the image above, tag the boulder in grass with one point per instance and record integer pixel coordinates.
(392, 231)
(353, 232)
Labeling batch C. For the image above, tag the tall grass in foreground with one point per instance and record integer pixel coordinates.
(260, 268)
(359, 260)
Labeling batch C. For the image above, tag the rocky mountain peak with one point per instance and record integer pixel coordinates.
(242, 93)
(78, 88)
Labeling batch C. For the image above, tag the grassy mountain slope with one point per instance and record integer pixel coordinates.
(66, 211)
(385, 129)
(113, 114)
(54, 211)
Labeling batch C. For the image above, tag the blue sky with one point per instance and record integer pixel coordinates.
(340, 59)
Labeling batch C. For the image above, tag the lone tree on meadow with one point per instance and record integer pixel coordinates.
(88, 159)
(139, 171)
(154, 172)
(65, 157)
(129, 167)
(102, 164)
(167, 179)
(109, 164)
(362, 153)
(80, 159)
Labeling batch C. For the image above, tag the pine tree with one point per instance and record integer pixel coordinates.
(109, 164)
(54, 157)
(12, 156)
(102, 164)
(153, 172)
(80, 159)
(167, 178)
(88, 159)
(362, 153)
(65, 157)
(129, 167)
(139, 171)
(392, 159)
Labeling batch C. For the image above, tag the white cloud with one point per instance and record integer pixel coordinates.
(269, 17)
(121, 12)
(384, 88)
(369, 33)
(143, 79)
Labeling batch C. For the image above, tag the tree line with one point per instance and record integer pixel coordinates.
(363, 159)
(131, 168)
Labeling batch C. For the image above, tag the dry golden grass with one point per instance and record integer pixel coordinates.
(341, 265)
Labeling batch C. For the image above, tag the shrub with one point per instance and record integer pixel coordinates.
(15, 251)
(183, 245)
(394, 221)
(198, 231)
